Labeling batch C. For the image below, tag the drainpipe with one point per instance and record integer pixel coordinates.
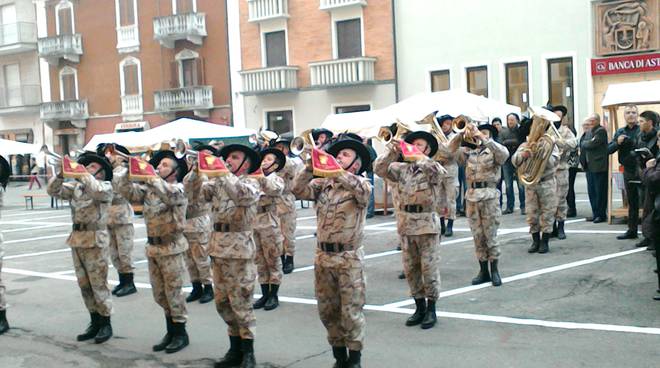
(396, 69)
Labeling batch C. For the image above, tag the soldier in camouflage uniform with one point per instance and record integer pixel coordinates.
(164, 210)
(267, 234)
(232, 249)
(341, 210)
(197, 231)
(483, 166)
(286, 205)
(120, 226)
(417, 220)
(540, 198)
(90, 197)
(566, 145)
(5, 172)
(449, 182)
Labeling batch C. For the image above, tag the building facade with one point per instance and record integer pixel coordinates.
(304, 59)
(20, 83)
(118, 65)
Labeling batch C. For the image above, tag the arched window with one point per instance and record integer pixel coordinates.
(64, 20)
(68, 84)
(130, 75)
(188, 69)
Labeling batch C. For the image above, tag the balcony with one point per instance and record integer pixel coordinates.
(277, 79)
(196, 98)
(19, 99)
(71, 110)
(334, 4)
(65, 46)
(131, 107)
(17, 37)
(128, 39)
(172, 28)
(342, 72)
(260, 10)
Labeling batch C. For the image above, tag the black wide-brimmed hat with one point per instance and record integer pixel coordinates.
(255, 160)
(206, 147)
(5, 172)
(428, 137)
(89, 157)
(442, 118)
(491, 128)
(280, 159)
(317, 132)
(100, 149)
(525, 127)
(182, 165)
(284, 138)
(561, 108)
(346, 142)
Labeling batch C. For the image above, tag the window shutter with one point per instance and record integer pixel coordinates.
(200, 71)
(174, 74)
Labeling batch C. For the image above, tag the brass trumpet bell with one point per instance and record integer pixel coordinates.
(298, 143)
(53, 158)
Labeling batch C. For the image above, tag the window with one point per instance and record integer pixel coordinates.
(130, 77)
(560, 77)
(64, 19)
(12, 85)
(126, 12)
(275, 48)
(477, 80)
(279, 121)
(187, 70)
(68, 84)
(349, 38)
(9, 31)
(517, 85)
(440, 80)
(355, 108)
(184, 6)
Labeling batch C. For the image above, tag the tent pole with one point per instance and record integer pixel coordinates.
(613, 123)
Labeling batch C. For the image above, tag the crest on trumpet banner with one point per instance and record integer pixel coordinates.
(325, 165)
(410, 152)
(5, 172)
(71, 169)
(139, 170)
(210, 165)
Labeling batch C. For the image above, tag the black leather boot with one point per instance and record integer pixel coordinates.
(561, 235)
(402, 276)
(354, 359)
(288, 265)
(196, 292)
(120, 285)
(261, 302)
(630, 234)
(91, 330)
(247, 347)
(273, 301)
(544, 247)
(554, 230)
(167, 338)
(483, 275)
(536, 242)
(429, 318)
(105, 330)
(179, 338)
(234, 355)
(450, 228)
(4, 325)
(207, 294)
(443, 228)
(420, 311)
(341, 356)
(128, 288)
(572, 212)
(495, 273)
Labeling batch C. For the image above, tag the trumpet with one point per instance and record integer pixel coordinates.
(388, 133)
(53, 158)
(301, 142)
(182, 151)
(436, 130)
(463, 124)
(110, 149)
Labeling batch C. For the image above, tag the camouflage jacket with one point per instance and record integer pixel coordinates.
(270, 189)
(341, 210)
(2, 252)
(286, 203)
(198, 213)
(234, 209)
(417, 184)
(550, 168)
(483, 164)
(164, 209)
(90, 201)
(446, 157)
(566, 145)
(121, 211)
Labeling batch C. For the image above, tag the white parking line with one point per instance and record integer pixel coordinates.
(24, 255)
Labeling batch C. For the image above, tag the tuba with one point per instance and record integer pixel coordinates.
(542, 138)
(395, 131)
(436, 130)
(460, 125)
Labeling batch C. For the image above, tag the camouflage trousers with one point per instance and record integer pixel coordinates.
(541, 205)
(267, 256)
(91, 265)
(121, 247)
(449, 190)
(233, 281)
(288, 226)
(197, 258)
(166, 277)
(484, 220)
(562, 192)
(421, 261)
(3, 302)
(340, 294)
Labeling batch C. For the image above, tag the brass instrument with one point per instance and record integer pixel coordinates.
(436, 129)
(300, 143)
(53, 158)
(541, 141)
(181, 151)
(111, 149)
(385, 134)
(462, 124)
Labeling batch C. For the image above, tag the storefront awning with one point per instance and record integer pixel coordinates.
(640, 93)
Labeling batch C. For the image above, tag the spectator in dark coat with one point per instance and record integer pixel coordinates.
(594, 160)
(651, 223)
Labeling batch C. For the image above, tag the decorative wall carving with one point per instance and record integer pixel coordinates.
(627, 26)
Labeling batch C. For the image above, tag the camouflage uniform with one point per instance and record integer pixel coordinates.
(565, 146)
(541, 200)
(448, 186)
(420, 229)
(3, 302)
(90, 203)
(120, 229)
(286, 207)
(340, 284)
(483, 165)
(197, 229)
(164, 214)
(267, 234)
(232, 250)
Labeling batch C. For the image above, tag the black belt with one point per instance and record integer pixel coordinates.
(482, 185)
(159, 240)
(228, 228)
(334, 247)
(264, 209)
(415, 208)
(88, 227)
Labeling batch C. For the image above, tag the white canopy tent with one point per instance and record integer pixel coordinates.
(8, 147)
(647, 92)
(187, 129)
